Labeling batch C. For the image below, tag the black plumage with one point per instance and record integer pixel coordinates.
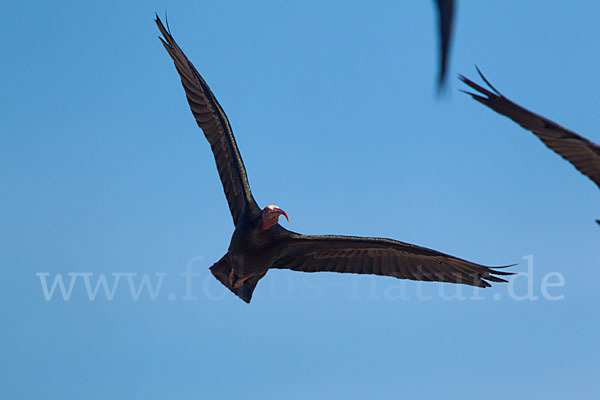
(259, 242)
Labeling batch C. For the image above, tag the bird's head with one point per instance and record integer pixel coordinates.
(270, 216)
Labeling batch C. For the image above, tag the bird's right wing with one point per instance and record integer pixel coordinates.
(446, 9)
(579, 151)
(377, 256)
(211, 118)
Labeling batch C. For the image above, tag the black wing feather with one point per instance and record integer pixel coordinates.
(349, 254)
(579, 151)
(211, 118)
(446, 10)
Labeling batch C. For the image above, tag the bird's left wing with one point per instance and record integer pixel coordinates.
(358, 255)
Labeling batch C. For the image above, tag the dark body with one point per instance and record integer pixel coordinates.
(256, 247)
(252, 250)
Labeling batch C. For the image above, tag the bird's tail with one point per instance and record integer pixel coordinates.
(221, 270)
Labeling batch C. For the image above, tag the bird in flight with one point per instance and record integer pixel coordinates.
(582, 153)
(260, 243)
(446, 9)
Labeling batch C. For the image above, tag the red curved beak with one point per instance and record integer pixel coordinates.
(280, 211)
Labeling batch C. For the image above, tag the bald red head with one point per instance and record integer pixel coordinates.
(270, 216)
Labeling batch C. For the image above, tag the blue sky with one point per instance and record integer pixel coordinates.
(332, 103)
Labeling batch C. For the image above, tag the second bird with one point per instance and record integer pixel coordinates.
(582, 153)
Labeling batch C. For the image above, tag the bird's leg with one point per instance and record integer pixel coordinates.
(232, 278)
(239, 282)
(234, 281)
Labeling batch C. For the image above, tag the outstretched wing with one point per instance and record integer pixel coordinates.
(214, 123)
(348, 254)
(579, 151)
(446, 25)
